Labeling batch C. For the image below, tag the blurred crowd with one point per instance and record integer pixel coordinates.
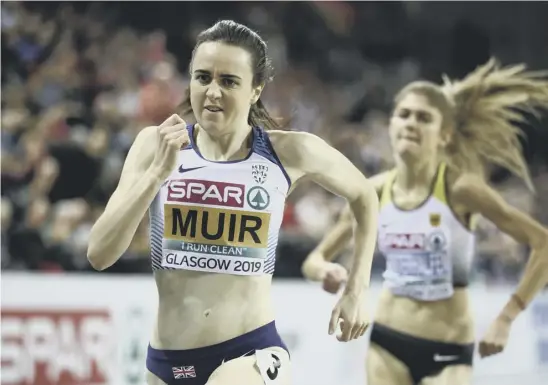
(80, 80)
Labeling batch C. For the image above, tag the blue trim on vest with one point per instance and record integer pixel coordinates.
(261, 145)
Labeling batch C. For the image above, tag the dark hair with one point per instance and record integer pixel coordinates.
(232, 33)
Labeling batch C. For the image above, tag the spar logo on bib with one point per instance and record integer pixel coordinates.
(205, 192)
(409, 242)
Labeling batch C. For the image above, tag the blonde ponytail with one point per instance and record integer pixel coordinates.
(488, 105)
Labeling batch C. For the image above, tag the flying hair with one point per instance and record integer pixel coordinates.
(484, 110)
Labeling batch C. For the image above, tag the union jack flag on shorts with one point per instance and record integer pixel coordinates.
(184, 372)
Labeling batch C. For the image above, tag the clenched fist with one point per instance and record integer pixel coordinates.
(172, 137)
(335, 277)
(496, 338)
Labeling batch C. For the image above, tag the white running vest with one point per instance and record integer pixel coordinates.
(220, 217)
(428, 250)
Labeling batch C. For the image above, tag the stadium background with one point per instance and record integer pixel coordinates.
(79, 80)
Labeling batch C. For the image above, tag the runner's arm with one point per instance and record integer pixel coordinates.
(113, 232)
(337, 238)
(478, 197)
(306, 155)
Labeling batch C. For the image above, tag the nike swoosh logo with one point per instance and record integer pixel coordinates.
(440, 358)
(182, 170)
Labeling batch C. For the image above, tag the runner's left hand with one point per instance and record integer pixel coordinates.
(496, 337)
(351, 311)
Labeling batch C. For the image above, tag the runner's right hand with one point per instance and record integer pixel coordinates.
(172, 137)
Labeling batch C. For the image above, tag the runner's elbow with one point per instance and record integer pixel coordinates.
(94, 258)
(100, 257)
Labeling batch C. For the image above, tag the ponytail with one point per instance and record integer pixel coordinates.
(487, 105)
(185, 107)
(259, 116)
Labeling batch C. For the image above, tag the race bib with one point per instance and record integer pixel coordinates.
(419, 265)
(269, 364)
